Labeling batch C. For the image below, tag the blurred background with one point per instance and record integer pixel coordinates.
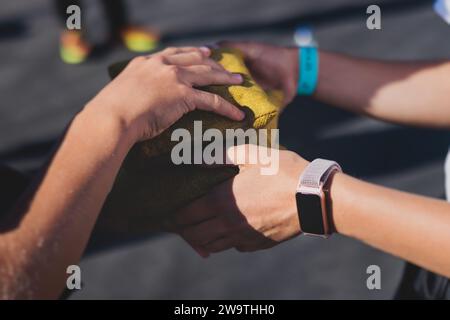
(39, 95)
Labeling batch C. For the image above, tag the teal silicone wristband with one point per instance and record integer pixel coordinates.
(308, 70)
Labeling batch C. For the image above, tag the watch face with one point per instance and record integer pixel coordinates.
(310, 212)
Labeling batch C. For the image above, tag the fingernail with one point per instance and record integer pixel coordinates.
(237, 77)
(205, 50)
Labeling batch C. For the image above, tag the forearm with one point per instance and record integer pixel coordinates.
(412, 227)
(150, 95)
(60, 214)
(410, 93)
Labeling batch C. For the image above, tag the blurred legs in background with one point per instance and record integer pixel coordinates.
(75, 49)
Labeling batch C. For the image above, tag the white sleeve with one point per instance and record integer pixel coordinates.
(442, 8)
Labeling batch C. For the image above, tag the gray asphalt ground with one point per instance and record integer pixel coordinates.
(39, 96)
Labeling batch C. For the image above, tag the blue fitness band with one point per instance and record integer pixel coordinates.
(308, 61)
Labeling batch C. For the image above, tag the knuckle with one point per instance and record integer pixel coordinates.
(197, 54)
(207, 68)
(215, 65)
(255, 223)
(188, 103)
(137, 60)
(215, 103)
(174, 70)
(218, 65)
(184, 91)
(169, 50)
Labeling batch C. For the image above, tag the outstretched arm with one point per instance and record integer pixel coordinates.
(412, 227)
(49, 228)
(58, 213)
(409, 226)
(235, 214)
(410, 93)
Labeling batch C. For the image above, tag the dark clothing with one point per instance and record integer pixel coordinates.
(115, 12)
(418, 283)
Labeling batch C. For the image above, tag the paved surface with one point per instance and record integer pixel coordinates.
(39, 95)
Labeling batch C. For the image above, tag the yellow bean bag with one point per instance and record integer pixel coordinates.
(149, 187)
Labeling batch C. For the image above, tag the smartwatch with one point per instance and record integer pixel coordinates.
(312, 196)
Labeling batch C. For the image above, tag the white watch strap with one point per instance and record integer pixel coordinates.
(316, 173)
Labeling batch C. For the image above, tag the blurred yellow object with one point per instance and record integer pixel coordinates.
(73, 48)
(149, 186)
(140, 40)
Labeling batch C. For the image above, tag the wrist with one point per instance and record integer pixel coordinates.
(109, 127)
(295, 172)
(291, 80)
(307, 70)
(342, 199)
(314, 204)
